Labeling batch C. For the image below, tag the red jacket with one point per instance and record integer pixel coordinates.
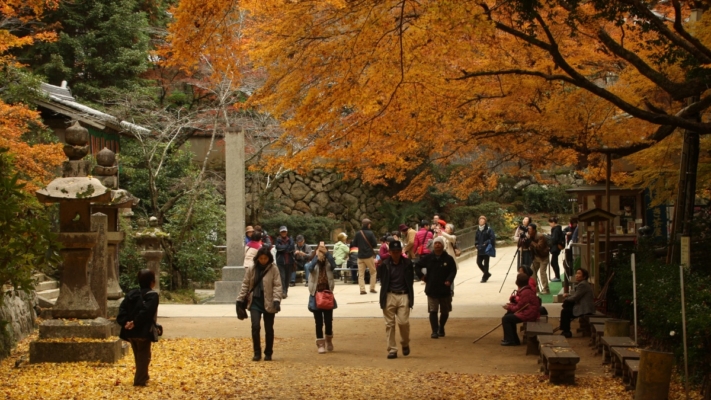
(525, 296)
(421, 239)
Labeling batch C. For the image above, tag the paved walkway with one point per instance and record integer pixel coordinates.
(472, 299)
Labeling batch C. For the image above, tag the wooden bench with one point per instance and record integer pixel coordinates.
(549, 341)
(598, 331)
(585, 322)
(560, 364)
(629, 374)
(533, 329)
(614, 341)
(596, 320)
(346, 275)
(620, 355)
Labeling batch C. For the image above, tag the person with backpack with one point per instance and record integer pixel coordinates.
(320, 280)
(539, 247)
(285, 248)
(366, 241)
(485, 241)
(137, 317)
(261, 294)
(556, 244)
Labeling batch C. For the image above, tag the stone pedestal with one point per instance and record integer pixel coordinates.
(76, 299)
(227, 289)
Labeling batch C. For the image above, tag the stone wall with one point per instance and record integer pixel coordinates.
(17, 317)
(318, 193)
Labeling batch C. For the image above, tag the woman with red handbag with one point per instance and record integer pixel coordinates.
(321, 300)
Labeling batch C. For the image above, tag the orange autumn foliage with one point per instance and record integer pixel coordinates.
(394, 90)
(35, 163)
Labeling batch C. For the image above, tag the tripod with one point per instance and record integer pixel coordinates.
(509, 270)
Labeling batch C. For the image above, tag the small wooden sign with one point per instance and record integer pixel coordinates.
(686, 251)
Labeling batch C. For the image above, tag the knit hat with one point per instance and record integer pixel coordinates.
(395, 245)
(438, 239)
(402, 228)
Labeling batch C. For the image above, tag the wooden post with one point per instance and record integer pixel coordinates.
(607, 208)
(655, 369)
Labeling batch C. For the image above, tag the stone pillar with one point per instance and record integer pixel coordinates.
(99, 262)
(235, 197)
(226, 291)
(113, 291)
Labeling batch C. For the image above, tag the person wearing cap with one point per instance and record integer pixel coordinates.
(438, 270)
(397, 297)
(366, 241)
(408, 240)
(485, 241)
(248, 234)
(302, 255)
(251, 249)
(284, 258)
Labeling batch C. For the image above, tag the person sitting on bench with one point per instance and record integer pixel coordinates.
(577, 304)
(524, 307)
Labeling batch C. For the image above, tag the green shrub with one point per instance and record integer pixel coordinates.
(552, 199)
(659, 307)
(314, 229)
(395, 213)
(498, 218)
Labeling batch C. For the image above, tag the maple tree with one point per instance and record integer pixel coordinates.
(386, 89)
(34, 163)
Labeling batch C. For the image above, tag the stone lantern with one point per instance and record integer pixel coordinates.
(106, 171)
(148, 240)
(77, 313)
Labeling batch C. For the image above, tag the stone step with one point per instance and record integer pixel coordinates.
(46, 285)
(50, 294)
(40, 277)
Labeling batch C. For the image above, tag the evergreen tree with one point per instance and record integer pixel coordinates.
(101, 44)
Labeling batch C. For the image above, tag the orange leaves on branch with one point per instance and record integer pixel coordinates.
(34, 163)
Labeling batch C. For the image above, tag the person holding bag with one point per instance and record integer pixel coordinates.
(321, 300)
(261, 294)
(137, 317)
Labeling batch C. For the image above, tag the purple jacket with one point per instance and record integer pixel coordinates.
(526, 295)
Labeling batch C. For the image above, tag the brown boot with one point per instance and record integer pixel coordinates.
(321, 344)
(329, 342)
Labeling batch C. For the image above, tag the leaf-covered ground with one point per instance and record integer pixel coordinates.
(222, 369)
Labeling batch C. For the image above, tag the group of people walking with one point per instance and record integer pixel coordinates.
(428, 254)
(404, 256)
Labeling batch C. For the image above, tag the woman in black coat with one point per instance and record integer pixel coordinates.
(137, 317)
(558, 243)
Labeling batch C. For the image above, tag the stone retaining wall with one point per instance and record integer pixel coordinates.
(319, 193)
(17, 317)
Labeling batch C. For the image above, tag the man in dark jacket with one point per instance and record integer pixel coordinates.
(285, 258)
(366, 241)
(397, 296)
(438, 270)
(485, 237)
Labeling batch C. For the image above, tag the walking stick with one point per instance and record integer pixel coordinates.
(509, 270)
(497, 326)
